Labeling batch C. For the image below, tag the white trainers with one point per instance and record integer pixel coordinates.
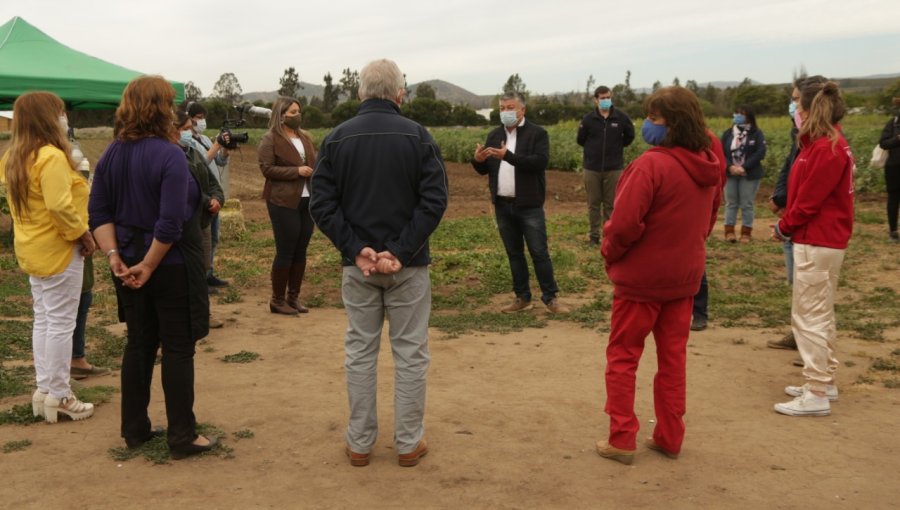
(37, 403)
(831, 391)
(70, 406)
(807, 404)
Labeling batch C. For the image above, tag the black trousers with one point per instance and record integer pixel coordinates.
(292, 229)
(892, 183)
(157, 316)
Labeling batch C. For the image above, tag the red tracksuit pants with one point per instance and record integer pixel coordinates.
(632, 321)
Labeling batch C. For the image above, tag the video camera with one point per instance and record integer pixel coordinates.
(235, 139)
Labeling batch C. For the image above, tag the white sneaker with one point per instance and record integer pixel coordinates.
(831, 391)
(807, 404)
(70, 406)
(37, 403)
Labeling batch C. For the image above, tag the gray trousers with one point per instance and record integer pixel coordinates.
(601, 193)
(405, 298)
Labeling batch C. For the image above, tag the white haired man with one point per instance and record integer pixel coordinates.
(378, 192)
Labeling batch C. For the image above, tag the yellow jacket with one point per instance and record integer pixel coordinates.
(57, 213)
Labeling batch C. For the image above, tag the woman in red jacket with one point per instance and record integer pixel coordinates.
(655, 249)
(819, 220)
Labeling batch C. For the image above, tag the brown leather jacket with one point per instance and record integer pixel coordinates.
(279, 161)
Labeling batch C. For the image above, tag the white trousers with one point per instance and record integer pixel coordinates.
(816, 271)
(55, 309)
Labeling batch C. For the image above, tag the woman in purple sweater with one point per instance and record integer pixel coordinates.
(144, 212)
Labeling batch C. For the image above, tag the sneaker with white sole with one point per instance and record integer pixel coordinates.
(831, 391)
(69, 406)
(807, 404)
(37, 403)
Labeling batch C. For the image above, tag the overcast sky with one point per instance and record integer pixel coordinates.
(553, 45)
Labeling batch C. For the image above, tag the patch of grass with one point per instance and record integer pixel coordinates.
(16, 446)
(458, 324)
(95, 394)
(229, 295)
(15, 340)
(104, 348)
(594, 312)
(241, 357)
(892, 384)
(885, 365)
(243, 434)
(157, 449)
(19, 415)
(16, 380)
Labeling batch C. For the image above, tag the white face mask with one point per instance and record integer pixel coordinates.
(509, 118)
(64, 123)
(201, 125)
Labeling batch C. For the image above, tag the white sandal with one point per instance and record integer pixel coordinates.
(70, 406)
(37, 403)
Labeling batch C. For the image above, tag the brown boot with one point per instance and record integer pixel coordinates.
(279, 282)
(729, 234)
(746, 233)
(295, 279)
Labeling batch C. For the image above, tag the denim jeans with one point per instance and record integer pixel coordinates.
(520, 226)
(740, 192)
(788, 248)
(701, 300)
(214, 243)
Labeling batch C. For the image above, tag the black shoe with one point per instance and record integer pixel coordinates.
(189, 449)
(698, 324)
(154, 433)
(213, 281)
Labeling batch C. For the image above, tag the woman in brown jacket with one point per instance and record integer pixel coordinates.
(286, 158)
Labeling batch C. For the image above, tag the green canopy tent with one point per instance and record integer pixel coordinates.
(32, 60)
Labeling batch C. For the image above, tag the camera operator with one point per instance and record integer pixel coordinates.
(217, 159)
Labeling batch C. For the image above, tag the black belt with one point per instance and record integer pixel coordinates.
(510, 200)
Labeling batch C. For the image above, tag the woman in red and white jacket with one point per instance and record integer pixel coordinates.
(819, 220)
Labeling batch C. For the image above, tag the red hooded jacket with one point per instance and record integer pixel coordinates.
(665, 207)
(820, 194)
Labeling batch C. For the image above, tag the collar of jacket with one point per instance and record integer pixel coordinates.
(612, 112)
(378, 105)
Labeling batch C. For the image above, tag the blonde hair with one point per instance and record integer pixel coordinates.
(825, 107)
(35, 124)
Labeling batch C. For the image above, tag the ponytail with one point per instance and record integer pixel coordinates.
(826, 108)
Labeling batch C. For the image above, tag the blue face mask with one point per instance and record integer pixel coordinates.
(605, 104)
(185, 139)
(740, 118)
(792, 108)
(654, 134)
(508, 118)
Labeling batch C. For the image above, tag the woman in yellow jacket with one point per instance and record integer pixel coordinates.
(48, 203)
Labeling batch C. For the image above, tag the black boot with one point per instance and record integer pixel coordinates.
(295, 280)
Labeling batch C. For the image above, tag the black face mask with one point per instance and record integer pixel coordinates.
(292, 122)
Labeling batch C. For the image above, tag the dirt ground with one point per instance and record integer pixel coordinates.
(511, 420)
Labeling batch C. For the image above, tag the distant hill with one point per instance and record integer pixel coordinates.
(309, 90)
(454, 94)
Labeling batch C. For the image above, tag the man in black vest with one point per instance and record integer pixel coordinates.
(515, 157)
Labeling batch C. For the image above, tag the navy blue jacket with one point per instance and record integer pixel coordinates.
(530, 161)
(890, 141)
(604, 139)
(379, 182)
(753, 157)
(779, 195)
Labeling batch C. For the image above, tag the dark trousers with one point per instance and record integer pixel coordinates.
(893, 205)
(521, 226)
(84, 304)
(158, 315)
(701, 300)
(293, 229)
